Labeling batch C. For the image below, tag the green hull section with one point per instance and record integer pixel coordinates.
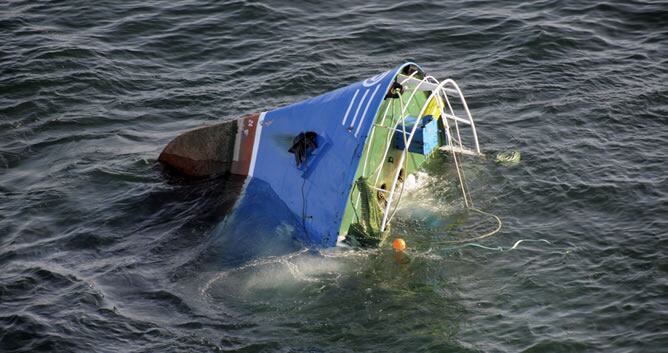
(378, 167)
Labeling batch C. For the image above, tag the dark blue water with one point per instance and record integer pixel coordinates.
(101, 250)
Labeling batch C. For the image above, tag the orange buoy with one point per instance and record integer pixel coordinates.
(399, 244)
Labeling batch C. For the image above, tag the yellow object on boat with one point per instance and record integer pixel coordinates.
(433, 108)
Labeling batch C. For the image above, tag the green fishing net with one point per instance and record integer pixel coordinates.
(508, 158)
(366, 231)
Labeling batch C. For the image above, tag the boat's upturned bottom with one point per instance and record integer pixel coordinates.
(338, 161)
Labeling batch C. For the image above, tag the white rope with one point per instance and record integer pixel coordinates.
(499, 224)
(468, 201)
(496, 248)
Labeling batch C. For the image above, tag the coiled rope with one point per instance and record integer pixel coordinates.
(468, 202)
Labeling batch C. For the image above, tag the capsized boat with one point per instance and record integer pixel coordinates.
(337, 161)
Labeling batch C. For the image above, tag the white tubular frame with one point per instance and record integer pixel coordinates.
(440, 91)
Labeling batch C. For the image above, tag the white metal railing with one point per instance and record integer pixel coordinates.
(439, 92)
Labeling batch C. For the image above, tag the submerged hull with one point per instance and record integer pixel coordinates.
(334, 160)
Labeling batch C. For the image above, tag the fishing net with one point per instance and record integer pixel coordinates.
(366, 231)
(508, 158)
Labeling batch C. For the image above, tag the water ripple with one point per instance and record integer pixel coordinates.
(102, 250)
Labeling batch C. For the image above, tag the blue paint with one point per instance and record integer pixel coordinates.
(318, 192)
(324, 143)
(426, 135)
(260, 225)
